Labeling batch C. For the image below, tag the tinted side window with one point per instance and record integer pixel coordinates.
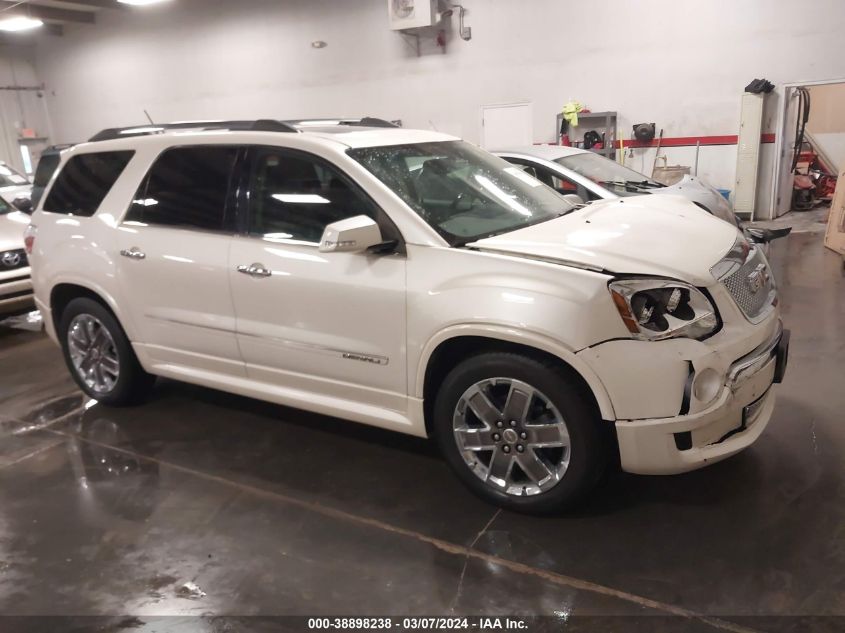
(294, 196)
(189, 187)
(84, 182)
(46, 167)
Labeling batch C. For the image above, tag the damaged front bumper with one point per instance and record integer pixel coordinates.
(733, 422)
(682, 404)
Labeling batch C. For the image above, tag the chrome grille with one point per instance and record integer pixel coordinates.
(750, 282)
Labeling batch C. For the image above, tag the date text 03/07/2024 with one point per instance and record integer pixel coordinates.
(482, 624)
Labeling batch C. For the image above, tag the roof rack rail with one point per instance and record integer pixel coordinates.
(259, 125)
(366, 121)
(370, 121)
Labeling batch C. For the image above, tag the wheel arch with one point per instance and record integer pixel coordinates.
(445, 349)
(62, 293)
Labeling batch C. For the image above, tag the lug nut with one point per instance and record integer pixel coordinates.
(506, 448)
(500, 424)
(524, 435)
(513, 422)
(520, 448)
(496, 437)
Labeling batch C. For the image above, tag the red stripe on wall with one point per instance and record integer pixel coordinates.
(685, 141)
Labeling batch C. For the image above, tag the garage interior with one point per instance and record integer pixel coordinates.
(205, 511)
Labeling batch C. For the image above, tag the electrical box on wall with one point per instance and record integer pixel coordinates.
(411, 14)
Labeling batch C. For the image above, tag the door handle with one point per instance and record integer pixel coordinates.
(255, 270)
(133, 253)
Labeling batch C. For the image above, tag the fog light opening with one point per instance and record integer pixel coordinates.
(707, 385)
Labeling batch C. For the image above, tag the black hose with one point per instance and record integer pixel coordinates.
(801, 124)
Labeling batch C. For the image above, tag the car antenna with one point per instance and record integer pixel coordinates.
(149, 118)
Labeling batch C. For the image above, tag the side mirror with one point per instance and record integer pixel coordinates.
(23, 204)
(764, 236)
(351, 235)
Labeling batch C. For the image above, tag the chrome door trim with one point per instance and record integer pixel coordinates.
(189, 323)
(363, 357)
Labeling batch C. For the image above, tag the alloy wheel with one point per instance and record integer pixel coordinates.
(511, 436)
(93, 353)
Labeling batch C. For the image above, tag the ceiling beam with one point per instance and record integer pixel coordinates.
(92, 4)
(48, 14)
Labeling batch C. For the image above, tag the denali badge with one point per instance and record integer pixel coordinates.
(10, 259)
(375, 360)
(758, 278)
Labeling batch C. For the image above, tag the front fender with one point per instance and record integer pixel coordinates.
(519, 336)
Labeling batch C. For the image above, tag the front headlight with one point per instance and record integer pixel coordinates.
(656, 309)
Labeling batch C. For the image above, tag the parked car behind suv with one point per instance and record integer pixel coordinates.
(411, 281)
(15, 287)
(13, 184)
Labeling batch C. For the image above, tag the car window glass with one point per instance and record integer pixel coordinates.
(47, 166)
(612, 176)
(84, 182)
(559, 183)
(294, 196)
(463, 192)
(188, 187)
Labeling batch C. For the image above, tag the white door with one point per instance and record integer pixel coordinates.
(507, 126)
(173, 249)
(783, 193)
(330, 323)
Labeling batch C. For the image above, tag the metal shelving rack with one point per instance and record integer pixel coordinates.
(602, 122)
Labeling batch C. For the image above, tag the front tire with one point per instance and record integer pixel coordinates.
(518, 432)
(99, 355)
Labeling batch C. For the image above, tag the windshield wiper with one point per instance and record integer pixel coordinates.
(645, 184)
(650, 185)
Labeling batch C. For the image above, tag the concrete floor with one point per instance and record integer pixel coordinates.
(273, 511)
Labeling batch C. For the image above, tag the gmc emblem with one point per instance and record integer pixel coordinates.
(758, 278)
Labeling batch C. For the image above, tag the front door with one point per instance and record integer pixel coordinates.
(330, 323)
(173, 249)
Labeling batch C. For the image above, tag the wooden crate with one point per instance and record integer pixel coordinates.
(834, 238)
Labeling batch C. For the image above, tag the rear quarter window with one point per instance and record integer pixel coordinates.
(84, 182)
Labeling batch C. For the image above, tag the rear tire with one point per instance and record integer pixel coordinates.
(99, 355)
(539, 448)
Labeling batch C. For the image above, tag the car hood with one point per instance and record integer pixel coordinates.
(16, 191)
(697, 190)
(12, 226)
(663, 235)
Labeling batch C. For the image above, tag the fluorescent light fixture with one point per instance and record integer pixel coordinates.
(139, 3)
(20, 23)
(300, 198)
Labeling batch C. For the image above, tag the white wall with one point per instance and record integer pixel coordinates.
(19, 109)
(680, 63)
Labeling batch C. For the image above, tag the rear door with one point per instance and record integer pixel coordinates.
(174, 248)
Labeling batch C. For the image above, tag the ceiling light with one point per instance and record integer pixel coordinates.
(139, 3)
(20, 23)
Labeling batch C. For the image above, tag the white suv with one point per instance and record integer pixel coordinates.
(409, 280)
